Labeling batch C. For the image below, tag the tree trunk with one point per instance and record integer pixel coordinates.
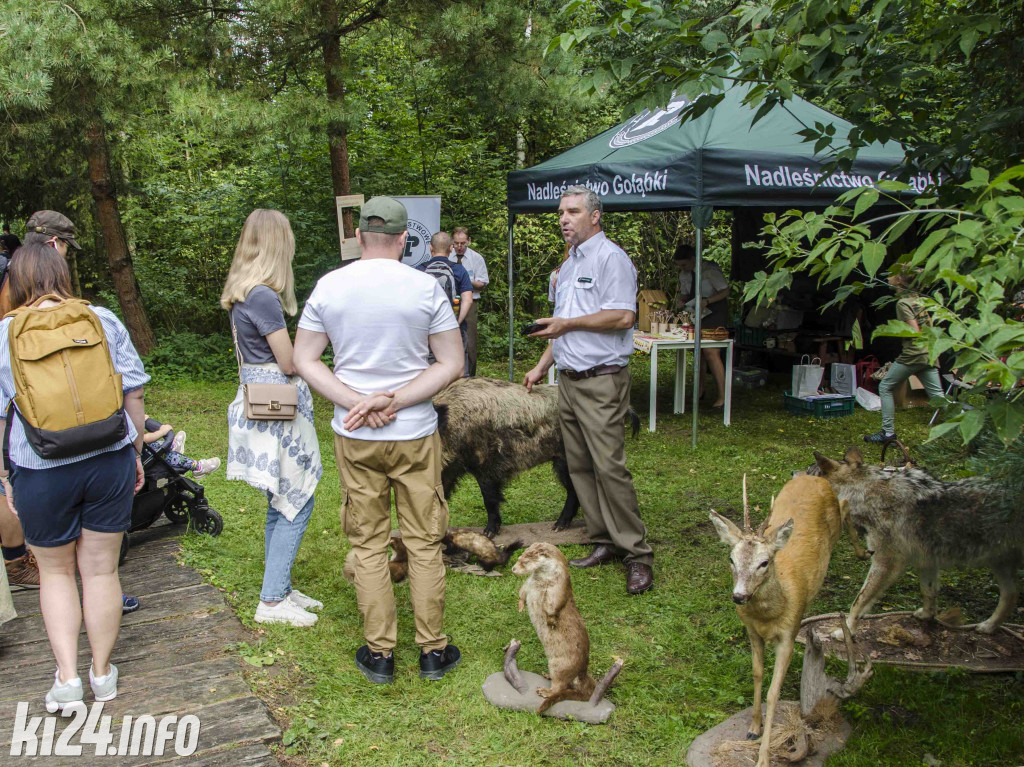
(337, 132)
(109, 218)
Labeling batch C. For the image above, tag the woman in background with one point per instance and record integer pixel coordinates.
(714, 297)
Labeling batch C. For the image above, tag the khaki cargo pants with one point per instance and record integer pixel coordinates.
(368, 471)
(591, 412)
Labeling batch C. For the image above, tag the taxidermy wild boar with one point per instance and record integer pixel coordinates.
(496, 430)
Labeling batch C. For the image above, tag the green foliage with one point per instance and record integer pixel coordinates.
(965, 269)
(903, 70)
(186, 356)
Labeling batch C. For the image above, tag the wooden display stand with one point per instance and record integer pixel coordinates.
(349, 245)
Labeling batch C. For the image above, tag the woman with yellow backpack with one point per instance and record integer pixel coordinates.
(71, 390)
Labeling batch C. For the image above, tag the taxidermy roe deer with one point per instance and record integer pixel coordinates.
(777, 570)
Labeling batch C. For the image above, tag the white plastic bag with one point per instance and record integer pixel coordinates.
(844, 378)
(807, 377)
(868, 399)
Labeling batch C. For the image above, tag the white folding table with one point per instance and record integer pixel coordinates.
(654, 344)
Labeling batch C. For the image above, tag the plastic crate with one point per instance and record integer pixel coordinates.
(835, 407)
(752, 336)
(749, 377)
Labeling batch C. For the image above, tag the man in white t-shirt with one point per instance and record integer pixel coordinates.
(382, 318)
(473, 263)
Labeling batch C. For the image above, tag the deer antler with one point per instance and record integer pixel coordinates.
(746, 506)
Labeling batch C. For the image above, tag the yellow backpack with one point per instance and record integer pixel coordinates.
(69, 396)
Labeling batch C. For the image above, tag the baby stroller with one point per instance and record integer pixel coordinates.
(180, 499)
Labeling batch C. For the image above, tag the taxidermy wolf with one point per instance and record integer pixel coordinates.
(495, 430)
(914, 520)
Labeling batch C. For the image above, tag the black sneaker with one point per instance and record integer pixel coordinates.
(377, 668)
(880, 437)
(436, 663)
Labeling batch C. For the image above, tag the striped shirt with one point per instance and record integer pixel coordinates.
(126, 362)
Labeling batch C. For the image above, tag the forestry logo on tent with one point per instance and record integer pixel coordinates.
(647, 124)
(417, 246)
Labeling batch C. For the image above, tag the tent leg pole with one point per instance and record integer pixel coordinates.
(699, 245)
(511, 316)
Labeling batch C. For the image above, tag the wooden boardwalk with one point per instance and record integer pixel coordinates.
(173, 659)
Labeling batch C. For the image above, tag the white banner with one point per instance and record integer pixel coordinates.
(424, 222)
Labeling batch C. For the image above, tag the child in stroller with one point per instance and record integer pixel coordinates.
(167, 490)
(156, 436)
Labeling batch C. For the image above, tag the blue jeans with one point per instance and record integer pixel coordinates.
(281, 544)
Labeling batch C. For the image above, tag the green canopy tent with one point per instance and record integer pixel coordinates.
(721, 159)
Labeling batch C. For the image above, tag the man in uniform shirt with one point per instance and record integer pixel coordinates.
(473, 263)
(591, 342)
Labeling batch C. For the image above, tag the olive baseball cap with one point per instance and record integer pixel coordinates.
(396, 219)
(54, 224)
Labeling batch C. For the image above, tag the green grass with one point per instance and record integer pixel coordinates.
(687, 658)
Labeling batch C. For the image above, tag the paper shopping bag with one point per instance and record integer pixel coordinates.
(844, 378)
(807, 377)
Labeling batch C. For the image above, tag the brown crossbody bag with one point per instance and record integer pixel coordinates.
(265, 401)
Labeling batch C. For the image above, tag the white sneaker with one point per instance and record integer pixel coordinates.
(104, 688)
(64, 694)
(306, 603)
(178, 445)
(206, 466)
(284, 611)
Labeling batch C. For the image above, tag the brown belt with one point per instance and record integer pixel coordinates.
(600, 370)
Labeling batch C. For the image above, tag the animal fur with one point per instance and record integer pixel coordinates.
(487, 554)
(547, 595)
(496, 430)
(398, 564)
(914, 520)
(777, 571)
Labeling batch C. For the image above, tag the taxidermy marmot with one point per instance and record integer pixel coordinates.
(547, 594)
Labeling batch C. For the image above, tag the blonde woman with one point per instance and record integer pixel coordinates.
(280, 458)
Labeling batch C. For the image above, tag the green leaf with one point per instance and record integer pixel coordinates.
(714, 40)
(971, 423)
(857, 335)
(970, 229)
(866, 199)
(968, 40)
(1007, 417)
(940, 431)
(872, 255)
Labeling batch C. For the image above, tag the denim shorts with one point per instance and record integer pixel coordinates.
(54, 505)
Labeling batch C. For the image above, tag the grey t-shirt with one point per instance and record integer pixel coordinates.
(259, 315)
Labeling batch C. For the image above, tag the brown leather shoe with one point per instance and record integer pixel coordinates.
(23, 572)
(639, 577)
(598, 556)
